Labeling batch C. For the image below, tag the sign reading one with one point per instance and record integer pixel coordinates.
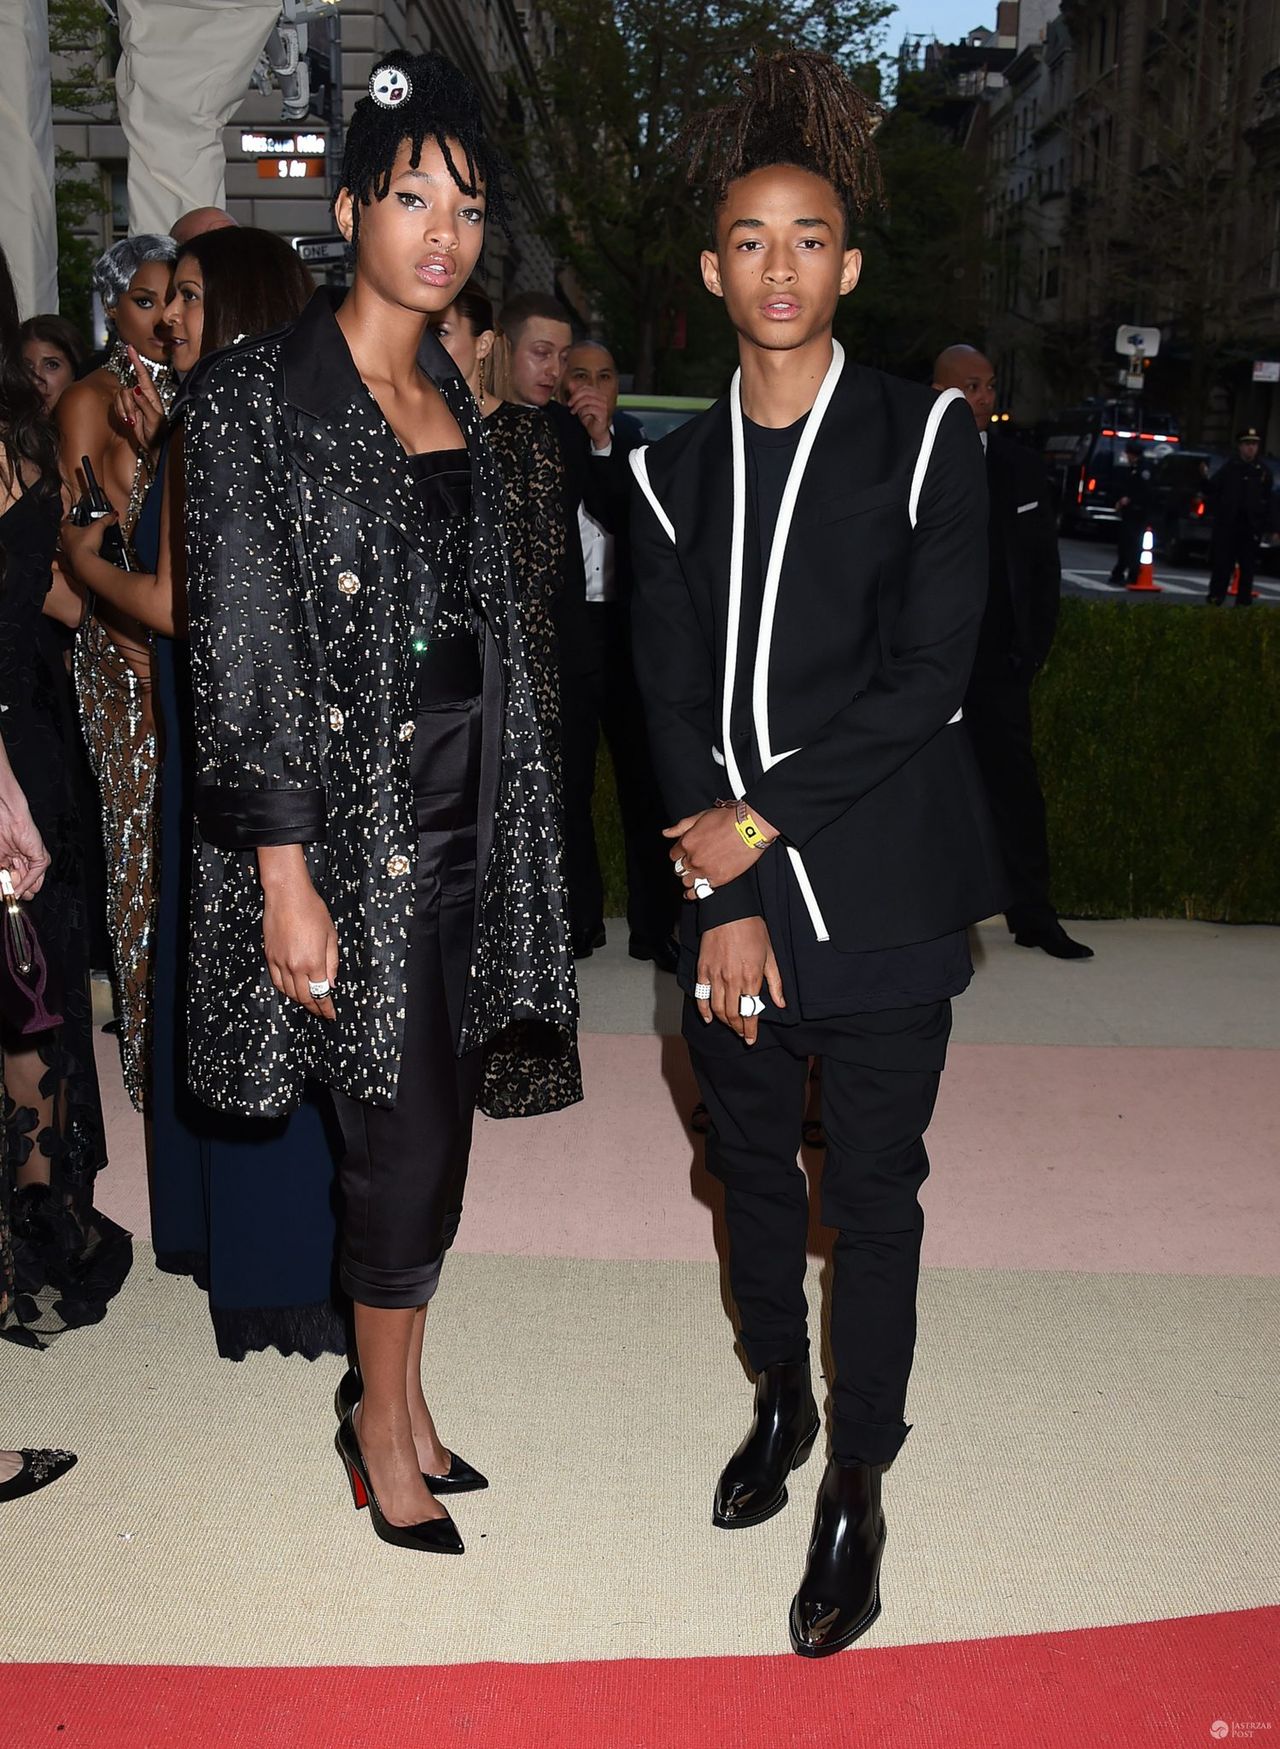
(320, 249)
(283, 145)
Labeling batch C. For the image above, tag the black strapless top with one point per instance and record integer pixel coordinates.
(448, 664)
(443, 478)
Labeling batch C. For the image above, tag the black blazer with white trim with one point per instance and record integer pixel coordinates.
(846, 734)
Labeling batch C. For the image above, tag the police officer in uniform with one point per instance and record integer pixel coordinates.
(1239, 495)
(1134, 503)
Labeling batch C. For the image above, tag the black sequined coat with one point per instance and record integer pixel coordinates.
(307, 585)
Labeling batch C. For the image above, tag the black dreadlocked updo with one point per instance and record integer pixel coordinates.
(443, 105)
(794, 107)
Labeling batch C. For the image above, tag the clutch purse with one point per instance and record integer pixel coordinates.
(26, 1002)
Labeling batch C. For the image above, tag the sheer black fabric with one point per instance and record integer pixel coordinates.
(68, 1260)
(532, 1066)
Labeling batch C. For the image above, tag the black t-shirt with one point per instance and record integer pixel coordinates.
(821, 982)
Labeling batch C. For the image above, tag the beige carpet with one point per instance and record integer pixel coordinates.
(1093, 1449)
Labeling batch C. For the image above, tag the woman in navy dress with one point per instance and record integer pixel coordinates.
(243, 1205)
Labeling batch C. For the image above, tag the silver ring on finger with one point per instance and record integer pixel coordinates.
(319, 990)
(679, 865)
(703, 888)
(702, 992)
(750, 1006)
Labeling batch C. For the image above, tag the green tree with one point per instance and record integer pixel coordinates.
(921, 280)
(81, 49)
(622, 83)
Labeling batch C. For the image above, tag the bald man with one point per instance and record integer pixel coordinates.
(199, 220)
(1023, 584)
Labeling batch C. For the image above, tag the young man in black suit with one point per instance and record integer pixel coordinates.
(1024, 584)
(810, 563)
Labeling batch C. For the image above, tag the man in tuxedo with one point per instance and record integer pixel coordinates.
(1024, 580)
(597, 681)
(597, 685)
(810, 576)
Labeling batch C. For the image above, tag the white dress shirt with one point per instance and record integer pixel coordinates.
(597, 545)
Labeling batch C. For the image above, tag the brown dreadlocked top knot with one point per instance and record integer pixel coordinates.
(794, 107)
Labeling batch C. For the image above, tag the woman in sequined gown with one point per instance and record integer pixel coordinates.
(366, 726)
(68, 1260)
(532, 1067)
(112, 658)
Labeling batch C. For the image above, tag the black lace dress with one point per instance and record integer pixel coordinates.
(531, 1067)
(67, 1259)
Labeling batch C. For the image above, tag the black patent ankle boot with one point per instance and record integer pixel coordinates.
(839, 1596)
(753, 1485)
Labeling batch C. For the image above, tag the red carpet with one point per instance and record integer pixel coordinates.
(1158, 1683)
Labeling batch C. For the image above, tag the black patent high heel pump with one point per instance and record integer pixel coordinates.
(459, 1478)
(434, 1536)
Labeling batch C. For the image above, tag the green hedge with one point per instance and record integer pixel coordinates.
(1158, 737)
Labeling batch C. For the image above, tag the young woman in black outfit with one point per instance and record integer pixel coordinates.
(68, 1259)
(377, 893)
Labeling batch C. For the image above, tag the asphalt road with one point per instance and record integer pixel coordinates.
(1086, 565)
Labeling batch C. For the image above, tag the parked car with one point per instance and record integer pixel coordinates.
(659, 414)
(1182, 519)
(1083, 452)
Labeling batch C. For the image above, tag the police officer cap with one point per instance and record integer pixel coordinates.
(1249, 436)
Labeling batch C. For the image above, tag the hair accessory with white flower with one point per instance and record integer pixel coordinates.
(390, 86)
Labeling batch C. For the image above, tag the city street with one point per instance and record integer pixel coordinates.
(1086, 565)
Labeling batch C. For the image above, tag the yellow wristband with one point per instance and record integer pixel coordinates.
(750, 833)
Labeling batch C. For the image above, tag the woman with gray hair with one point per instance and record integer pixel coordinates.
(113, 657)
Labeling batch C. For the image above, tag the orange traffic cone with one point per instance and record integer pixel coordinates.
(1146, 583)
(1235, 582)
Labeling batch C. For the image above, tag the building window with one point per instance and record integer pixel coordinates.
(1052, 274)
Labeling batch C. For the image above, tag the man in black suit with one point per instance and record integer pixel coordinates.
(597, 681)
(810, 577)
(1024, 580)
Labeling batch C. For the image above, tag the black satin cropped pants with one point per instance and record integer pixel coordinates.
(404, 1167)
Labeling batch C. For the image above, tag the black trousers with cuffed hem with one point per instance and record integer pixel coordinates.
(878, 1096)
(404, 1167)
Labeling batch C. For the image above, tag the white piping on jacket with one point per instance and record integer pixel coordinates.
(768, 606)
(778, 547)
(640, 468)
(931, 425)
(777, 552)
